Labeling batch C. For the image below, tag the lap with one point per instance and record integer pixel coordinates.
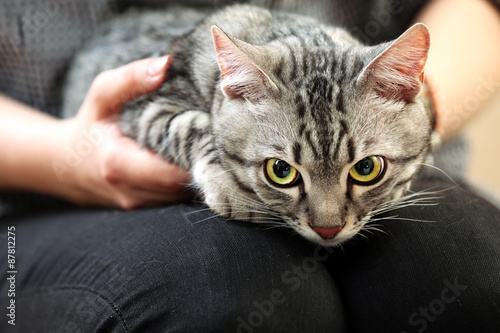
(165, 269)
(181, 269)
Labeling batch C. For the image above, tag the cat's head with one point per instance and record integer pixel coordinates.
(324, 131)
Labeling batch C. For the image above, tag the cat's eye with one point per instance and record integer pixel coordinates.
(367, 171)
(281, 173)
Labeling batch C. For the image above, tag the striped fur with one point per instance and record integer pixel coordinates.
(321, 105)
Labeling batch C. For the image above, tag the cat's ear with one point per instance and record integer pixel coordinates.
(398, 71)
(240, 76)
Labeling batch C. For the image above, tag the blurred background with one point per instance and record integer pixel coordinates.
(483, 135)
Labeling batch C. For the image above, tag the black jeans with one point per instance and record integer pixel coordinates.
(180, 269)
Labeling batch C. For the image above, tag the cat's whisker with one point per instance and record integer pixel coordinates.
(374, 226)
(249, 206)
(429, 190)
(404, 204)
(371, 229)
(408, 200)
(442, 171)
(267, 226)
(361, 235)
(397, 218)
(367, 231)
(201, 210)
(422, 198)
(374, 219)
(246, 201)
(204, 220)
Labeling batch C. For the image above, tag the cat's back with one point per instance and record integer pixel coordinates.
(134, 35)
(257, 26)
(186, 34)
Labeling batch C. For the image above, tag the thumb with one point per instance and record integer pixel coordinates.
(111, 89)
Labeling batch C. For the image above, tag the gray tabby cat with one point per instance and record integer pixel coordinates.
(276, 116)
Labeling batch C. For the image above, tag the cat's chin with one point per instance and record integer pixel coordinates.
(339, 238)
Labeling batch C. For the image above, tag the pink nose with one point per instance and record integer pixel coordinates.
(327, 233)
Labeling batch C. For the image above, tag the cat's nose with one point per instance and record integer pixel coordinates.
(327, 233)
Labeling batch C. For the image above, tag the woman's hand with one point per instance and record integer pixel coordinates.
(86, 159)
(115, 171)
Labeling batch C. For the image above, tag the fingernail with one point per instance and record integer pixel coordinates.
(158, 66)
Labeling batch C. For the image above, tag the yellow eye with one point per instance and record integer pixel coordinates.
(281, 173)
(368, 170)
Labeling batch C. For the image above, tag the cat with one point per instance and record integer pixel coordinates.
(279, 119)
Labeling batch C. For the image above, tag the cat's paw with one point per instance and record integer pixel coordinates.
(222, 196)
(234, 209)
(219, 204)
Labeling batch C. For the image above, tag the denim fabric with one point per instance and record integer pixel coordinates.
(174, 269)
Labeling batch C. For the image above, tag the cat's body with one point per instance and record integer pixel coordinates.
(272, 112)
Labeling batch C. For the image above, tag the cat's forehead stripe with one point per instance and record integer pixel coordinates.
(301, 108)
(279, 68)
(340, 139)
(310, 142)
(302, 129)
(351, 149)
(293, 68)
(297, 151)
(340, 93)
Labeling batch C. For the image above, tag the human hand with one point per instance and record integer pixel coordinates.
(107, 168)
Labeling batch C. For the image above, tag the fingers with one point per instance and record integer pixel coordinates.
(130, 198)
(125, 162)
(113, 88)
(120, 173)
